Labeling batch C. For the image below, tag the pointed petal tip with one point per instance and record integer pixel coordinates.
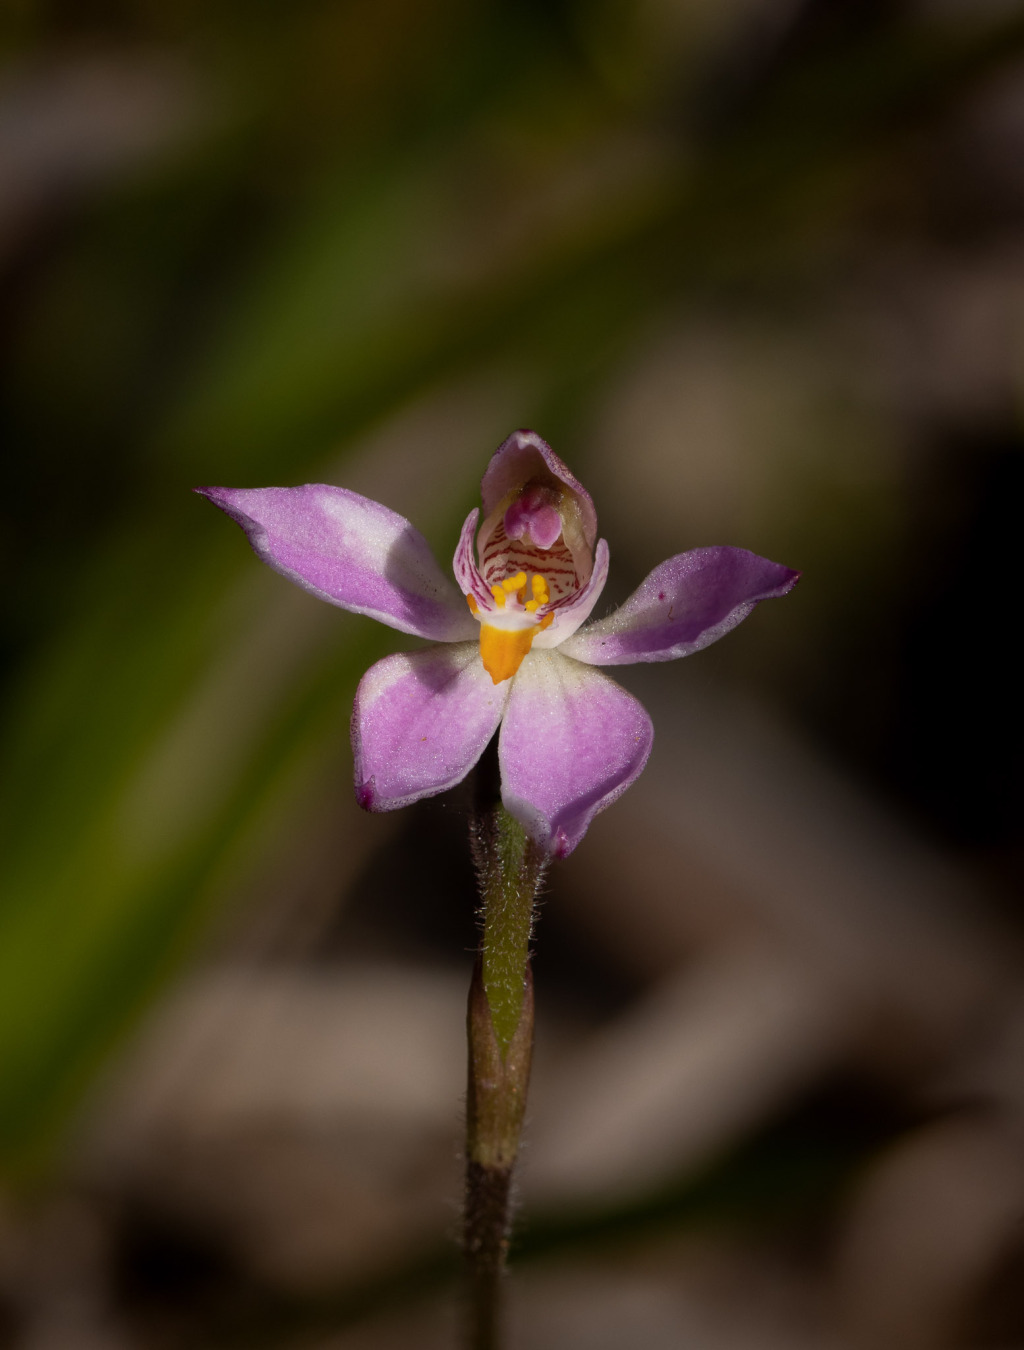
(788, 577)
(352, 552)
(596, 742)
(366, 796)
(524, 436)
(554, 840)
(682, 606)
(560, 844)
(224, 498)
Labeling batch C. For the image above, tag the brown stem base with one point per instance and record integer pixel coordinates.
(485, 1243)
(495, 1103)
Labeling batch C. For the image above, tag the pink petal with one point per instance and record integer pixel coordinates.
(467, 573)
(571, 742)
(685, 604)
(421, 721)
(352, 552)
(526, 455)
(571, 612)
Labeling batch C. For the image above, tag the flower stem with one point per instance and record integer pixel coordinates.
(500, 1031)
(511, 868)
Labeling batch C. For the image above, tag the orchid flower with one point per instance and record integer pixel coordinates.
(511, 649)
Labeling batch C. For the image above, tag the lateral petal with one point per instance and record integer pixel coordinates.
(571, 742)
(572, 610)
(464, 564)
(421, 721)
(685, 604)
(352, 552)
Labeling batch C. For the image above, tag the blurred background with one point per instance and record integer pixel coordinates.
(756, 269)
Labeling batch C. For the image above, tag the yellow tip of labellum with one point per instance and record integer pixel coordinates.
(502, 649)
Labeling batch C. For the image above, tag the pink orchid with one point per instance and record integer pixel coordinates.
(572, 740)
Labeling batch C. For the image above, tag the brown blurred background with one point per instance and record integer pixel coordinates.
(756, 269)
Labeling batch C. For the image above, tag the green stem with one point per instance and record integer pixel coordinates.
(500, 1031)
(511, 867)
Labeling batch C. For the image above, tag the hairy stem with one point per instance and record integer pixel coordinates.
(500, 1032)
(510, 868)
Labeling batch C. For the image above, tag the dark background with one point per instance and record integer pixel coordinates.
(756, 269)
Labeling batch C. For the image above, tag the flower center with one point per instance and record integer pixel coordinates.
(507, 631)
(534, 516)
(528, 536)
